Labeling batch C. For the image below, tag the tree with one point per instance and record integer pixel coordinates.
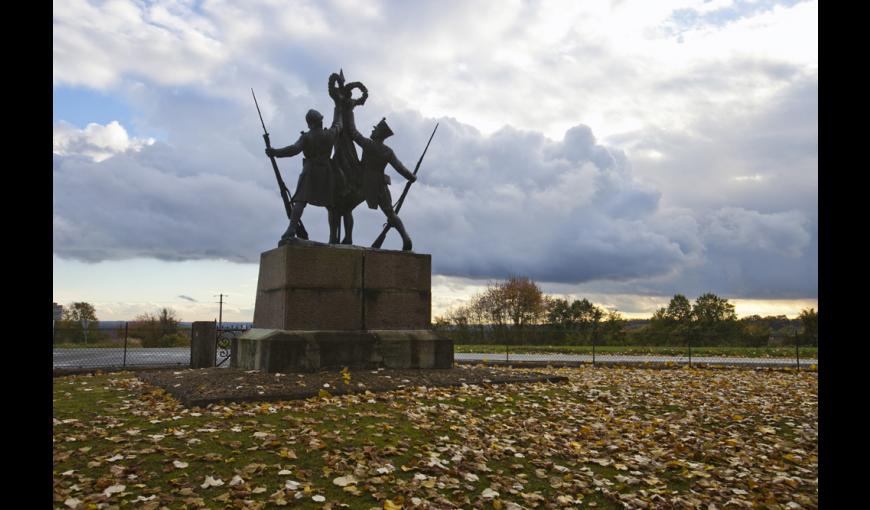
(523, 300)
(581, 315)
(440, 322)
(492, 302)
(658, 332)
(715, 321)
(586, 317)
(80, 311)
(680, 318)
(458, 317)
(613, 328)
(71, 328)
(168, 321)
(679, 309)
(559, 314)
(477, 315)
(710, 308)
(159, 330)
(756, 330)
(810, 322)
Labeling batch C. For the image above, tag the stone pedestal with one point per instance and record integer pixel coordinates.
(277, 350)
(321, 306)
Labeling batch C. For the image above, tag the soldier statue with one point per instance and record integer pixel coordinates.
(375, 156)
(343, 181)
(316, 183)
(345, 161)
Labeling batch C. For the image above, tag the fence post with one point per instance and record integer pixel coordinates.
(593, 349)
(690, 352)
(126, 324)
(203, 343)
(797, 351)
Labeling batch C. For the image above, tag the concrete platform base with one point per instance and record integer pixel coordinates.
(288, 351)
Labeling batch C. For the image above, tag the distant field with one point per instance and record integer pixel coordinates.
(739, 352)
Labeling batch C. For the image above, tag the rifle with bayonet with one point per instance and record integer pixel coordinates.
(380, 240)
(285, 193)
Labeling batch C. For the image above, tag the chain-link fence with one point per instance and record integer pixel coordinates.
(122, 344)
(541, 346)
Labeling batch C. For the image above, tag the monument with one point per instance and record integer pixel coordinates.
(328, 306)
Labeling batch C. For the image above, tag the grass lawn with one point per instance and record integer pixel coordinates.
(740, 352)
(609, 438)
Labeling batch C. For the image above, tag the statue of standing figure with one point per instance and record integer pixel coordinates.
(348, 192)
(344, 181)
(316, 184)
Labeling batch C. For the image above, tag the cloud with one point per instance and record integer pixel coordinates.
(187, 298)
(95, 141)
(556, 211)
(582, 145)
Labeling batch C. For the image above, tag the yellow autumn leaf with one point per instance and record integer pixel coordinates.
(392, 505)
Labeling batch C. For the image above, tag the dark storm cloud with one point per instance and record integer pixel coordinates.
(514, 202)
(566, 210)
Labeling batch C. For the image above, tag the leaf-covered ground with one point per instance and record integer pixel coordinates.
(608, 438)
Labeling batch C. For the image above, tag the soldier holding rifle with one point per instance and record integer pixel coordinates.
(317, 180)
(375, 156)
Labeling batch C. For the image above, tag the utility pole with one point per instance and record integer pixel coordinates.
(221, 309)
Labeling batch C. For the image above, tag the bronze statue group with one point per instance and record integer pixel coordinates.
(341, 180)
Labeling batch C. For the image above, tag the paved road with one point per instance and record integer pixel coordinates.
(137, 356)
(616, 358)
(88, 358)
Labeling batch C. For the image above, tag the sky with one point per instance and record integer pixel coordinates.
(622, 151)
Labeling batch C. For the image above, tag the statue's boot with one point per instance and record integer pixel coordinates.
(406, 239)
(290, 233)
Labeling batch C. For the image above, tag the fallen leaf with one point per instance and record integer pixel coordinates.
(211, 482)
(342, 481)
(488, 493)
(114, 489)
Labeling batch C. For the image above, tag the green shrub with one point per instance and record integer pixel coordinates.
(168, 340)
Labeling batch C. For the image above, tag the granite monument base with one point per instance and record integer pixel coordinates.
(323, 307)
(276, 350)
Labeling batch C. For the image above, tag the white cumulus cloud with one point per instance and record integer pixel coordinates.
(95, 141)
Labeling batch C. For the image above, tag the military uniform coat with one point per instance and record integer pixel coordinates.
(317, 181)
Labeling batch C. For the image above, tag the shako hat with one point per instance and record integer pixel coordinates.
(382, 127)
